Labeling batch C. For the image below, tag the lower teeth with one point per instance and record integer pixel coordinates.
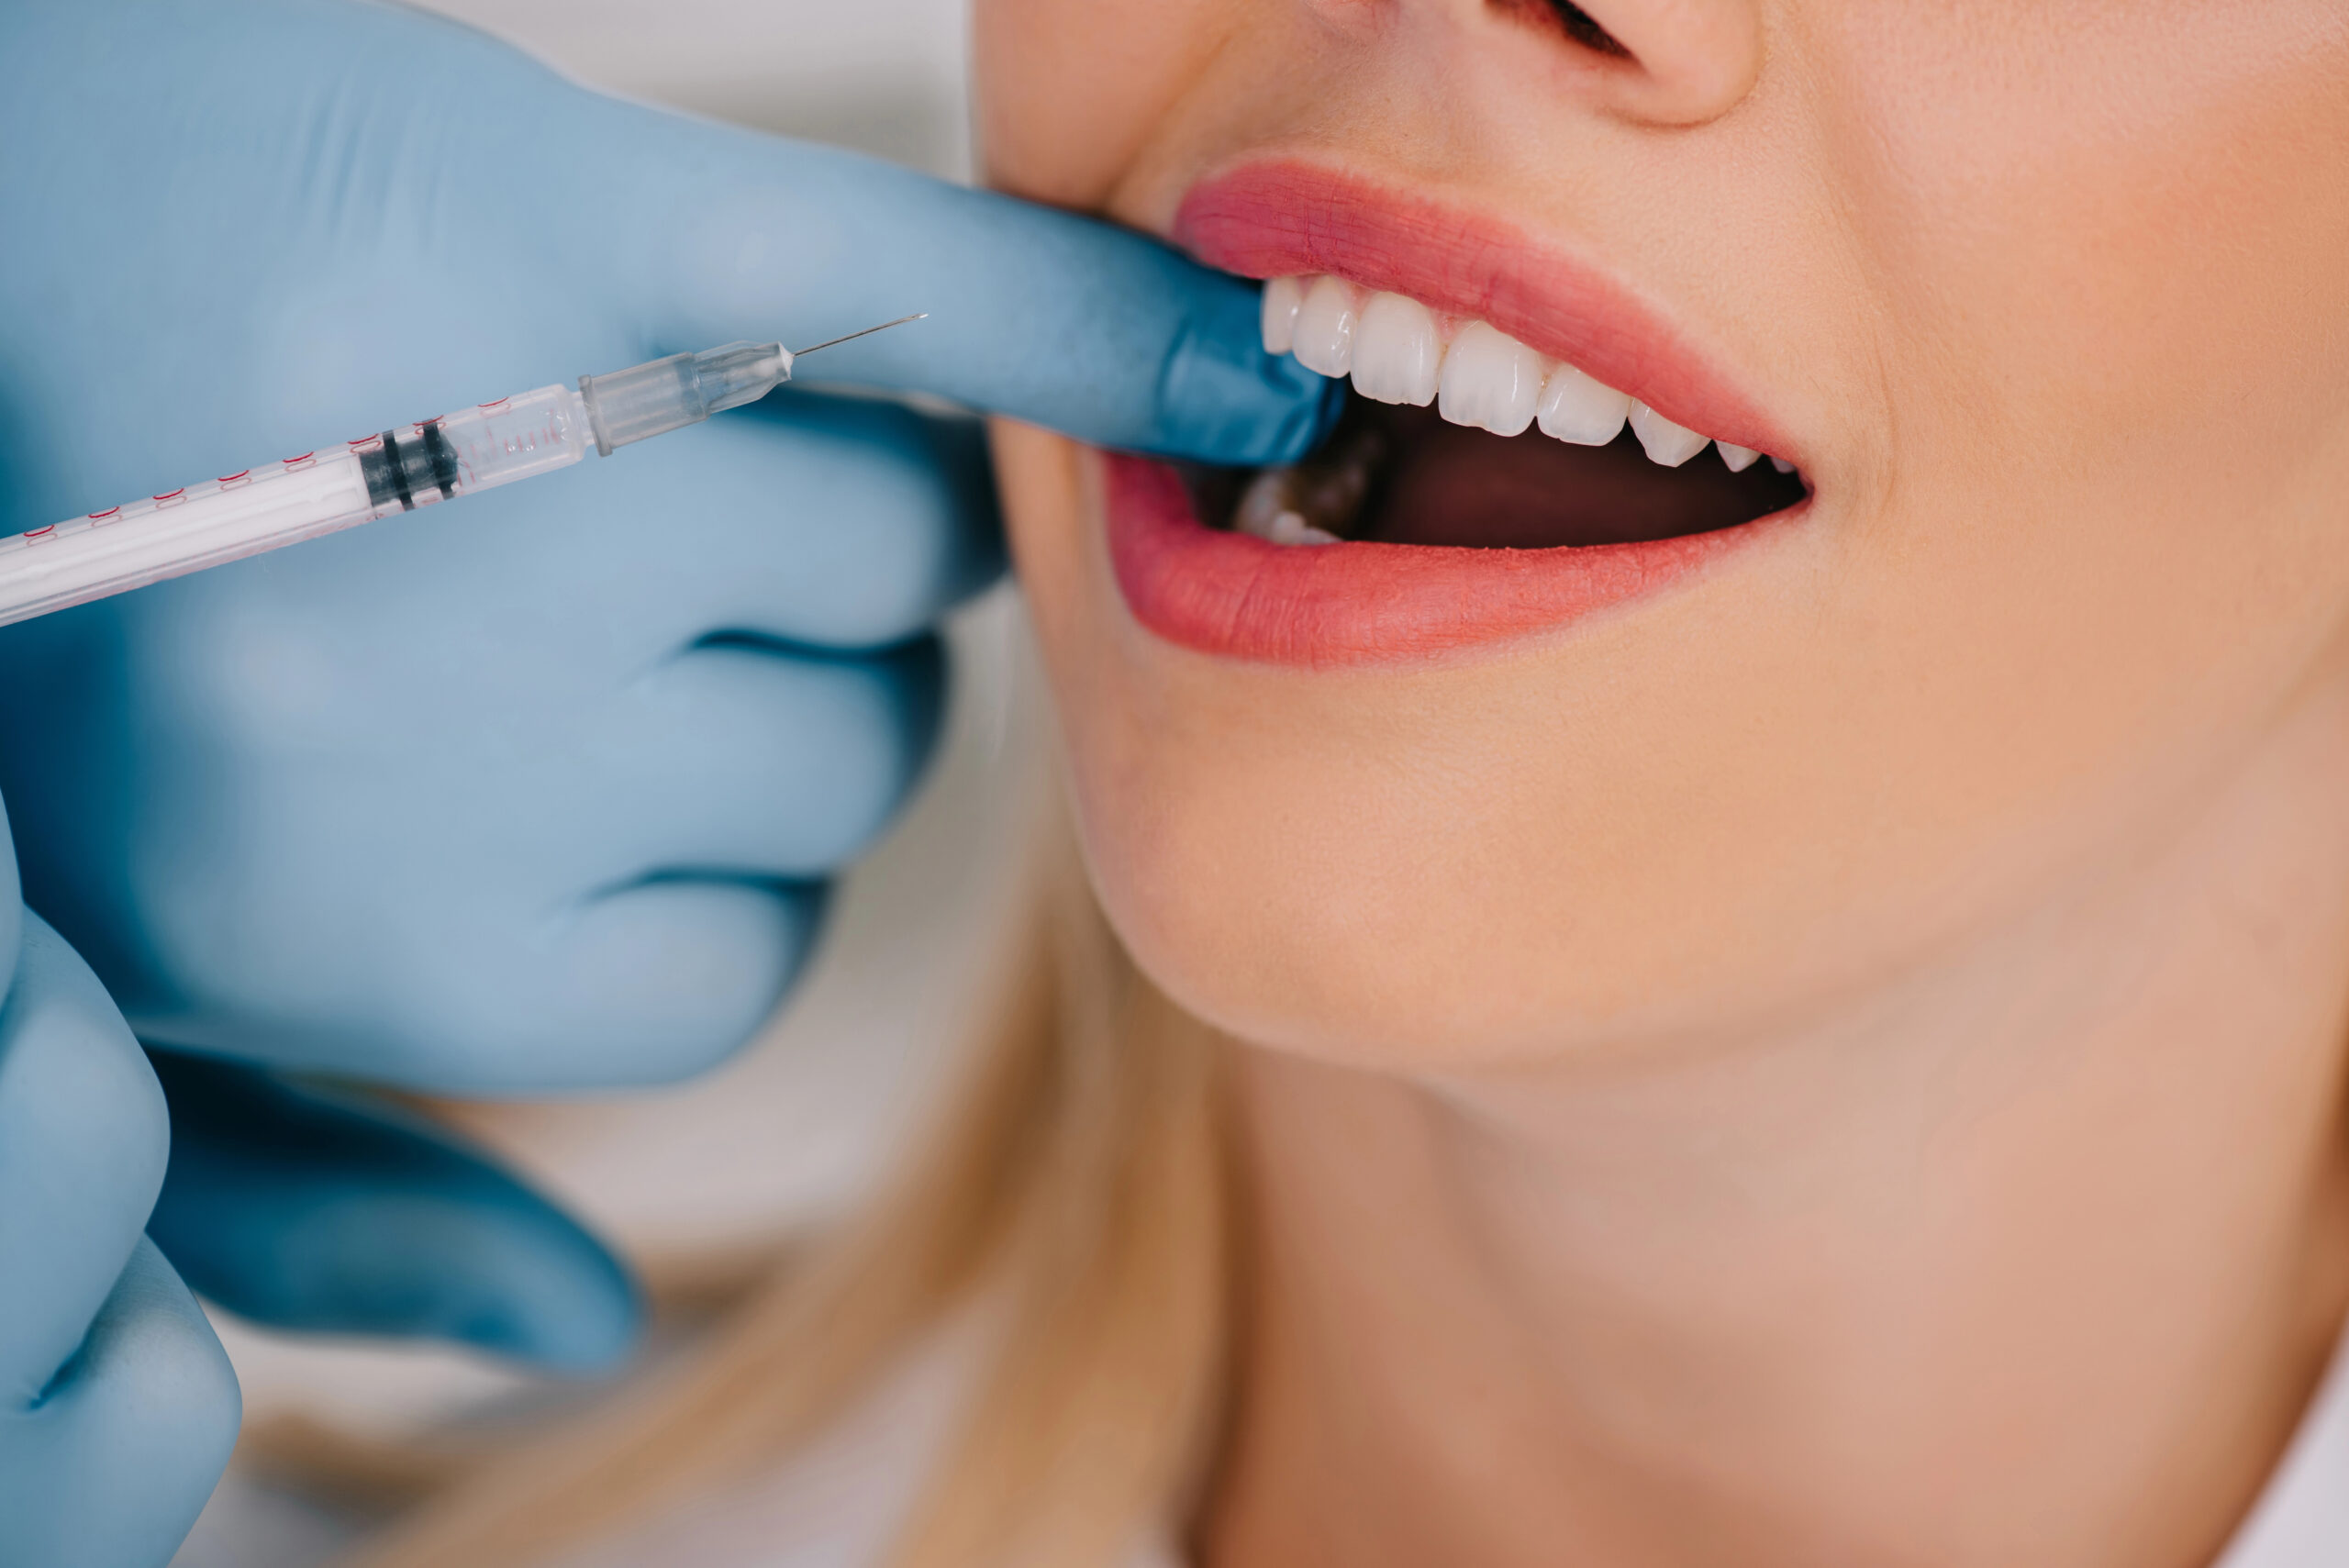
(1318, 501)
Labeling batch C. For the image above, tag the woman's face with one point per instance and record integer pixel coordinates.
(2047, 301)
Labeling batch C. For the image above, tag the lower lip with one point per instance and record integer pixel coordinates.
(1334, 605)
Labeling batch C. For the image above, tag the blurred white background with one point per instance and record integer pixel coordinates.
(688, 1178)
(886, 76)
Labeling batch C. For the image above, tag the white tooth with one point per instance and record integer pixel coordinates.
(1491, 381)
(1325, 327)
(1266, 497)
(1781, 466)
(1281, 296)
(1739, 459)
(1290, 528)
(1396, 351)
(1269, 511)
(1666, 442)
(1578, 409)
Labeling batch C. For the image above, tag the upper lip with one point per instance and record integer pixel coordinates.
(1282, 217)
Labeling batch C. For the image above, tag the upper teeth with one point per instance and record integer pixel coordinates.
(1397, 352)
(1491, 379)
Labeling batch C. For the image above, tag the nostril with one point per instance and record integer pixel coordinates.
(1676, 62)
(1584, 29)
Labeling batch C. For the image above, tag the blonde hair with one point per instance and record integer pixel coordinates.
(1080, 1180)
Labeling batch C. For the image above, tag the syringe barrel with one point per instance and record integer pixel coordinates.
(284, 502)
(515, 438)
(189, 529)
(661, 395)
(245, 513)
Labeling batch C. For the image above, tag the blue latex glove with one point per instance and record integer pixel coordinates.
(316, 1210)
(540, 790)
(118, 1409)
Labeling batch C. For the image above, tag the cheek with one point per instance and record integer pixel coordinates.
(1068, 91)
(2119, 255)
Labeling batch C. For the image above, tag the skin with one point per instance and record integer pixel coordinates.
(1842, 1061)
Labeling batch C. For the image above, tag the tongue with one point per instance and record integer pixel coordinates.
(1448, 485)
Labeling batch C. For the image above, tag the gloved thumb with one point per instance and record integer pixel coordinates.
(306, 1211)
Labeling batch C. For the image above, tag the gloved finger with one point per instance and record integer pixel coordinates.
(82, 1141)
(111, 1467)
(306, 1211)
(1113, 336)
(419, 913)
(696, 961)
(643, 983)
(843, 523)
(744, 757)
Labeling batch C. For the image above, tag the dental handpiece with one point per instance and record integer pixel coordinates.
(302, 497)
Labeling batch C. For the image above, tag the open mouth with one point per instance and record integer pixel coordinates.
(1456, 434)
(1504, 463)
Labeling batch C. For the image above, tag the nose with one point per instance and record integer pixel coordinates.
(1676, 62)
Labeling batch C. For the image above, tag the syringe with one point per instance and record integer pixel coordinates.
(298, 498)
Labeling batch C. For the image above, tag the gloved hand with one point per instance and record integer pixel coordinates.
(118, 1409)
(536, 789)
(540, 790)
